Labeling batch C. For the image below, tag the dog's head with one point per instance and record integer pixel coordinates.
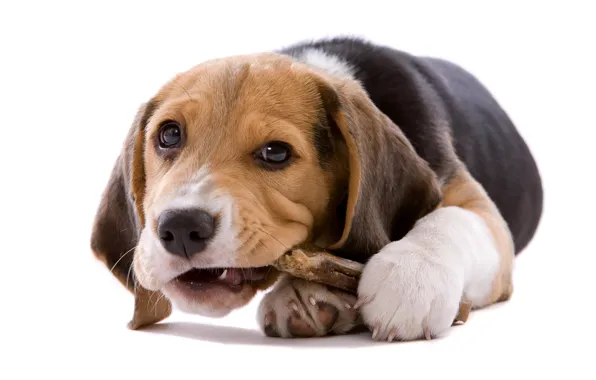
(236, 161)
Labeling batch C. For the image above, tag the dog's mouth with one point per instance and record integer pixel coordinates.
(232, 278)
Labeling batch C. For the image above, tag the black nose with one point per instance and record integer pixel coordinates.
(185, 232)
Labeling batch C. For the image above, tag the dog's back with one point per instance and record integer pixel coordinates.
(432, 100)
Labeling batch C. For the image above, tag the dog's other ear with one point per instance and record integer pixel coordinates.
(119, 221)
(389, 187)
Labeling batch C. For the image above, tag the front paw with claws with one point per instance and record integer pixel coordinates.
(297, 308)
(406, 293)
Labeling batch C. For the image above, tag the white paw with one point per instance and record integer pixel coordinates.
(410, 290)
(298, 308)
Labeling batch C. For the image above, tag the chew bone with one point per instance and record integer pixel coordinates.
(317, 265)
(322, 267)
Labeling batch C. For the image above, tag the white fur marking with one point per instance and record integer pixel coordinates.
(417, 283)
(155, 266)
(326, 62)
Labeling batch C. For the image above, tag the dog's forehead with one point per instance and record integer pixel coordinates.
(249, 81)
(239, 103)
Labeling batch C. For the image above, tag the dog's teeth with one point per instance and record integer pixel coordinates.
(223, 274)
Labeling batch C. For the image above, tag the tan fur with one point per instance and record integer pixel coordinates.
(267, 97)
(259, 98)
(230, 107)
(150, 307)
(277, 210)
(464, 191)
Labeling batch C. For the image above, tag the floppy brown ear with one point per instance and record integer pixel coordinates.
(119, 221)
(390, 186)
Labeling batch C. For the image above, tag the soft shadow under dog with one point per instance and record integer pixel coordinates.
(243, 336)
(236, 335)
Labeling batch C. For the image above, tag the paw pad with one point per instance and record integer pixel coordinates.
(269, 327)
(297, 308)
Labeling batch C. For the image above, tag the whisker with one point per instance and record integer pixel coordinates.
(274, 238)
(121, 257)
(264, 245)
(269, 267)
(129, 273)
(152, 294)
(162, 296)
(246, 258)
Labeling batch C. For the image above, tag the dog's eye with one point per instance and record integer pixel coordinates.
(170, 134)
(274, 153)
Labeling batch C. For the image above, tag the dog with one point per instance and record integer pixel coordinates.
(406, 164)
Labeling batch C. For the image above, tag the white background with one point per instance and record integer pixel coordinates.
(71, 78)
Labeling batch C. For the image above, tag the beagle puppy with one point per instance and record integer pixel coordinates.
(406, 164)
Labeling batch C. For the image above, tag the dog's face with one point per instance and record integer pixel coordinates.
(236, 161)
(238, 169)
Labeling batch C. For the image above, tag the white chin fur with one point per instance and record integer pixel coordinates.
(193, 307)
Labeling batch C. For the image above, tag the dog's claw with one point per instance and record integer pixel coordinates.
(375, 332)
(294, 306)
(392, 334)
(360, 302)
(427, 333)
(312, 300)
(269, 324)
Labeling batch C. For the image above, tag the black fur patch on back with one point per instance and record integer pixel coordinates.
(446, 113)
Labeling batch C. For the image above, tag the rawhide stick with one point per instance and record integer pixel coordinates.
(320, 266)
